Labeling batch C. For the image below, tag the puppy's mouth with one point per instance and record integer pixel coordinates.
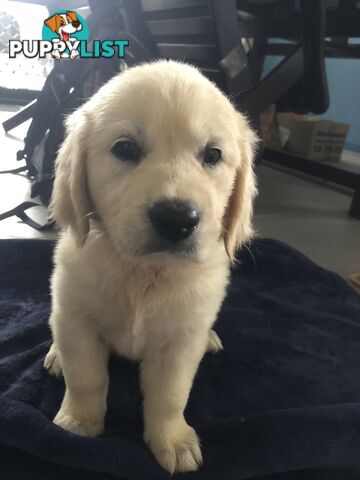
(176, 250)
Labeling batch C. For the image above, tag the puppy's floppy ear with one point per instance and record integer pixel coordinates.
(70, 203)
(238, 227)
(72, 15)
(51, 22)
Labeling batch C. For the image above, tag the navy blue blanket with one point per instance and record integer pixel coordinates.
(281, 401)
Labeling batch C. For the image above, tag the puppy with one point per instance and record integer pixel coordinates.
(154, 191)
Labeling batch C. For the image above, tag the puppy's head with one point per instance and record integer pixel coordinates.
(162, 162)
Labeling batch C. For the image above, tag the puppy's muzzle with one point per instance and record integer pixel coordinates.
(174, 220)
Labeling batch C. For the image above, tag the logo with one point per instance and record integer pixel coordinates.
(67, 28)
(65, 35)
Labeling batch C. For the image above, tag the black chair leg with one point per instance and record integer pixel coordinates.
(355, 204)
(20, 117)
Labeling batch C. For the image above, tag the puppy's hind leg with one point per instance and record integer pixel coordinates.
(52, 362)
(214, 343)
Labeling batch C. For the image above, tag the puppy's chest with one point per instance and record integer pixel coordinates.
(122, 327)
(132, 316)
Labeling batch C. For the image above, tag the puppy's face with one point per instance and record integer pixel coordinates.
(166, 165)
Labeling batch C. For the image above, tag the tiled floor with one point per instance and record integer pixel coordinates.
(310, 216)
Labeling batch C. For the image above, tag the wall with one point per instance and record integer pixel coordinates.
(344, 88)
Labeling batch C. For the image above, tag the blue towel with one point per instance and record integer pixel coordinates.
(281, 401)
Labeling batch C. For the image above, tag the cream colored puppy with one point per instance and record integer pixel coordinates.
(154, 190)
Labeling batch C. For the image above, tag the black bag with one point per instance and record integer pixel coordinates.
(69, 85)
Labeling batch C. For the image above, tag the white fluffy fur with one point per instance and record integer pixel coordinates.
(107, 294)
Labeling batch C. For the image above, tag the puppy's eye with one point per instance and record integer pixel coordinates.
(126, 149)
(212, 156)
(62, 22)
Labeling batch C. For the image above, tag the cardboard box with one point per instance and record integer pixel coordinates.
(311, 137)
(272, 135)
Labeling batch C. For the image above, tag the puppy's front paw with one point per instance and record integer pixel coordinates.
(176, 448)
(86, 427)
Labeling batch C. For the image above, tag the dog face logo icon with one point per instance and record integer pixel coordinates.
(64, 24)
(64, 27)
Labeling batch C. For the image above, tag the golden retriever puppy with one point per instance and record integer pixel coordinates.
(154, 191)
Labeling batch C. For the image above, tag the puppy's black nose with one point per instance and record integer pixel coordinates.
(76, 23)
(173, 219)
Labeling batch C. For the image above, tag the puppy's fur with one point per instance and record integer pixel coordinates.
(115, 287)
